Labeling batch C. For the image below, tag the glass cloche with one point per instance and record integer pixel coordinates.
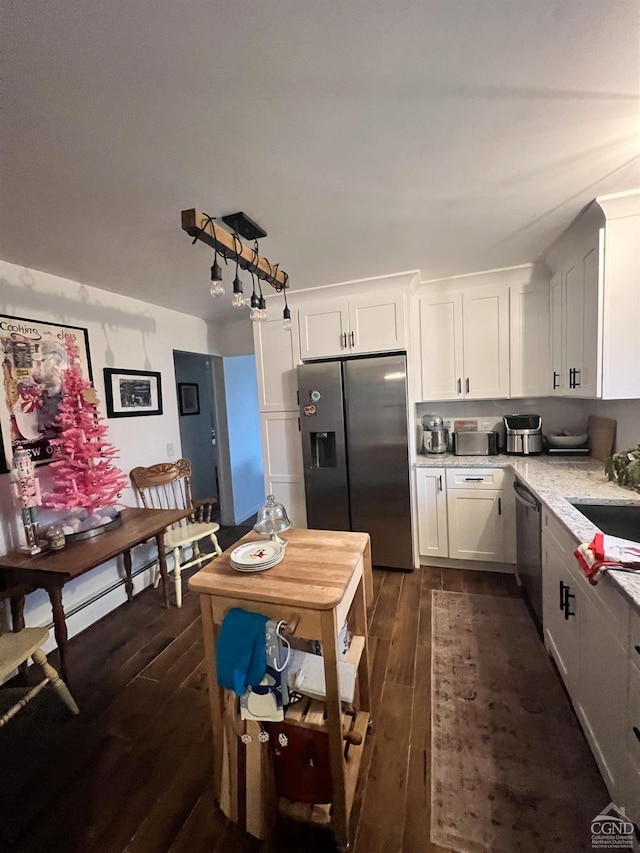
(272, 519)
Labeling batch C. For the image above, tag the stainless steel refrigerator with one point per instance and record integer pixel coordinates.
(353, 421)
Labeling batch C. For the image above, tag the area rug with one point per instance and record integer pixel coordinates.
(511, 770)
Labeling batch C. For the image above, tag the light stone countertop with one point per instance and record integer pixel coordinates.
(556, 482)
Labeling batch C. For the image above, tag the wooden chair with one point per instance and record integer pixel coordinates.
(15, 650)
(167, 485)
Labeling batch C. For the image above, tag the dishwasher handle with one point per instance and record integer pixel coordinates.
(525, 497)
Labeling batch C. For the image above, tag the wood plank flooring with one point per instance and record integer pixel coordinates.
(133, 772)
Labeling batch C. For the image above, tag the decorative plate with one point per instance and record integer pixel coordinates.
(259, 553)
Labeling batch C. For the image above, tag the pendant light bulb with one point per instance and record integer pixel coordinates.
(216, 290)
(286, 319)
(238, 298)
(216, 272)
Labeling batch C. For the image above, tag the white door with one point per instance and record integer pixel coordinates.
(558, 379)
(432, 512)
(529, 331)
(276, 359)
(323, 329)
(376, 324)
(476, 528)
(560, 613)
(441, 346)
(485, 322)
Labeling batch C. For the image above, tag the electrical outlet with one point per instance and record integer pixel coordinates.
(170, 449)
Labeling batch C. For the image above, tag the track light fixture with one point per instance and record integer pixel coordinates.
(229, 246)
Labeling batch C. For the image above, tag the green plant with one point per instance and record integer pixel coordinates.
(624, 467)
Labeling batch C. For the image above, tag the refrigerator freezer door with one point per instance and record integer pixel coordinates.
(323, 445)
(378, 456)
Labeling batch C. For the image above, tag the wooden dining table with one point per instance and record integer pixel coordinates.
(50, 570)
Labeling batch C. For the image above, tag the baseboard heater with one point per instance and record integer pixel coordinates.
(106, 591)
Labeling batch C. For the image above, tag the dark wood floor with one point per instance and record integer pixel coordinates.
(133, 773)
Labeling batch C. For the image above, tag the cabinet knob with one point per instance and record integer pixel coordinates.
(556, 377)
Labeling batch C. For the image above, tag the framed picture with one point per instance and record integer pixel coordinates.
(131, 393)
(188, 398)
(33, 361)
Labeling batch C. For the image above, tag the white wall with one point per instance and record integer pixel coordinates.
(123, 333)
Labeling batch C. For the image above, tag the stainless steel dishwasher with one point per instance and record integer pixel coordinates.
(529, 549)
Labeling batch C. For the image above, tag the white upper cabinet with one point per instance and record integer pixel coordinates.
(556, 316)
(464, 343)
(324, 328)
(595, 301)
(376, 324)
(440, 318)
(352, 326)
(485, 342)
(276, 359)
(529, 329)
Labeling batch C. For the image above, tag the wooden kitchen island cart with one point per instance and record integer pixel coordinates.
(323, 580)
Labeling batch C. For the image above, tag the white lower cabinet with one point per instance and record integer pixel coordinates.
(432, 512)
(586, 631)
(476, 530)
(464, 514)
(602, 694)
(561, 605)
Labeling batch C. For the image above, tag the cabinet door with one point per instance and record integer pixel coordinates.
(582, 339)
(476, 525)
(432, 512)
(323, 329)
(376, 324)
(529, 331)
(560, 633)
(557, 382)
(276, 367)
(588, 381)
(602, 694)
(282, 458)
(440, 319)
(485, 321)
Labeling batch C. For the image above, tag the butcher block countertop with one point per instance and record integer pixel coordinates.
(556, 482)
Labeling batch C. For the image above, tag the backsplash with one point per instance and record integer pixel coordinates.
(557, 414)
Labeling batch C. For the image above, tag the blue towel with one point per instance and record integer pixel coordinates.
(241, 656)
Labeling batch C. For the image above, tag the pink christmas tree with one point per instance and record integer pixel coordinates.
(83, 473)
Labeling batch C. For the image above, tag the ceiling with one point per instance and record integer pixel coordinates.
(366, 137)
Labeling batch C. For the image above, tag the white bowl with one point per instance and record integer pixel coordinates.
(557, 440)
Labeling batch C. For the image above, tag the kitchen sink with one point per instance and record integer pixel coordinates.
(615, 519)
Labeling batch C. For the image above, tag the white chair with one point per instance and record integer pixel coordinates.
(16, 649)
(167, 485)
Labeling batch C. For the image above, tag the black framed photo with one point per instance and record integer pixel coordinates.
(188, 398)
(34, 358)
(131, 393)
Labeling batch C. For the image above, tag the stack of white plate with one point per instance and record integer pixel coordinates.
(256, 556)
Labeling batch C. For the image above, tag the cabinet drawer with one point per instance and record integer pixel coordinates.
(475, 478)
